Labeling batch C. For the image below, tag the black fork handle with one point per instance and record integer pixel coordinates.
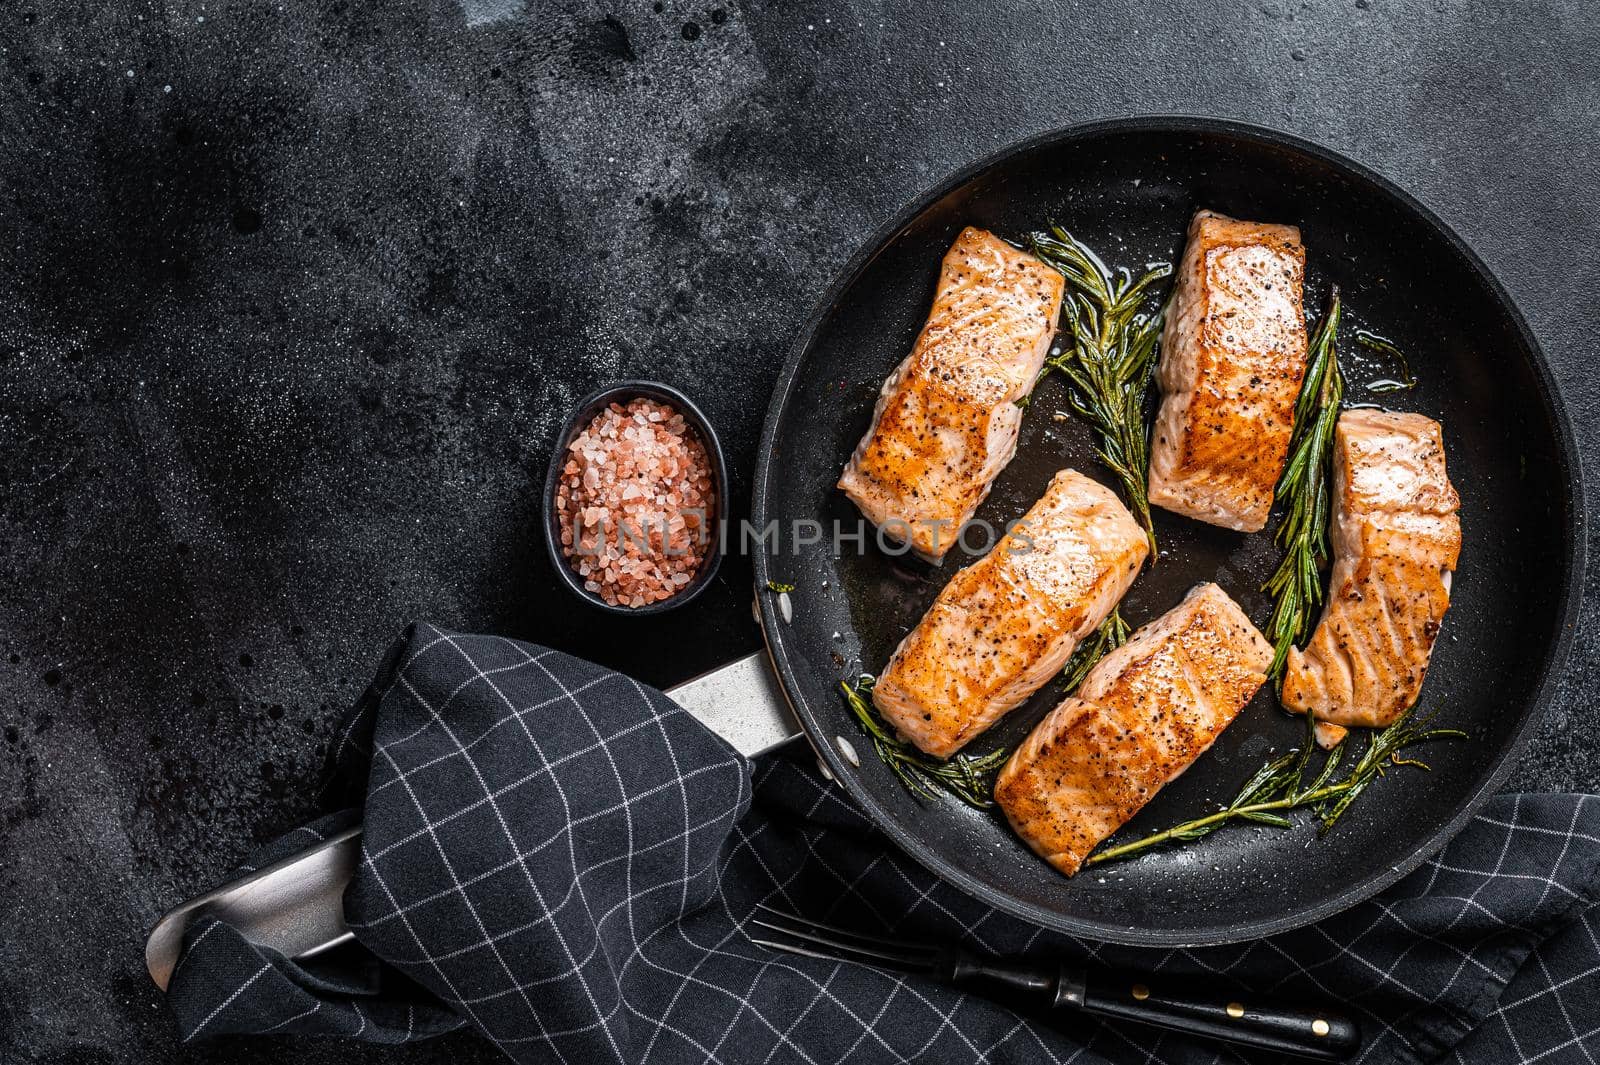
(1213, 1013)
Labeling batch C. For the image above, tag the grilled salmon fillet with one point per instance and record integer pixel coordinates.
(1007, 623)
(946, 421)
(1233, 354)
(1396, 540)
(1144, 713)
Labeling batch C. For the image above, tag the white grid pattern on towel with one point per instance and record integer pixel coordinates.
(490, 882)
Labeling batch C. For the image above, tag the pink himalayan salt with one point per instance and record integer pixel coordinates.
(635, 503)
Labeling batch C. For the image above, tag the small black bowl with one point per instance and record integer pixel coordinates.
(584, 413)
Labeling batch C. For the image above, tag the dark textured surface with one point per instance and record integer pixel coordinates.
(283, 345)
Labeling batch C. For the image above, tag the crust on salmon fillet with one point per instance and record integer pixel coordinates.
(1396, 541)
(1141, 717)
(1007, 623)
(946, 420)
(1233, 354)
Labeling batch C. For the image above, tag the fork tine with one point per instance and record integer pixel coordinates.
(838, 946)
(809, 927)
(849, 954)
(819, 936)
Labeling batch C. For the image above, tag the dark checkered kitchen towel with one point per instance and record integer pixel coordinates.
(564, 860)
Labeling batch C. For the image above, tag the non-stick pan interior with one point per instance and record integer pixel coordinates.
(1128, 190)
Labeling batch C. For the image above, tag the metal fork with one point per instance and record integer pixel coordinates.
(1204, 1011)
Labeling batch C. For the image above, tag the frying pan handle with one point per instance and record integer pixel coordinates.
(297, 905)
(742, 702)
(1212, 1012)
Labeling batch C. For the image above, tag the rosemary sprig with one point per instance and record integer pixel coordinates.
(1304, 494)
(967, 777)
(1109, 357)
(1280, 786)
(1383, 346)
(1112, 633)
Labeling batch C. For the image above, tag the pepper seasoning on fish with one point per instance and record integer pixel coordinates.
(1006, 624)
(1142, 716)
(1233, 355)
(946, 420)
(1396, 541)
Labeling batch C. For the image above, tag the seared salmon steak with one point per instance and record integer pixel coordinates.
(1396, 541)
(1007, 623)
(1233, 354)
(1144, 713)
(946, 421)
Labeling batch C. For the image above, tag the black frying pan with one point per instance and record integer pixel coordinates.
(1128, 189)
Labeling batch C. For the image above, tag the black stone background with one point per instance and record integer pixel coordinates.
(293, 296)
